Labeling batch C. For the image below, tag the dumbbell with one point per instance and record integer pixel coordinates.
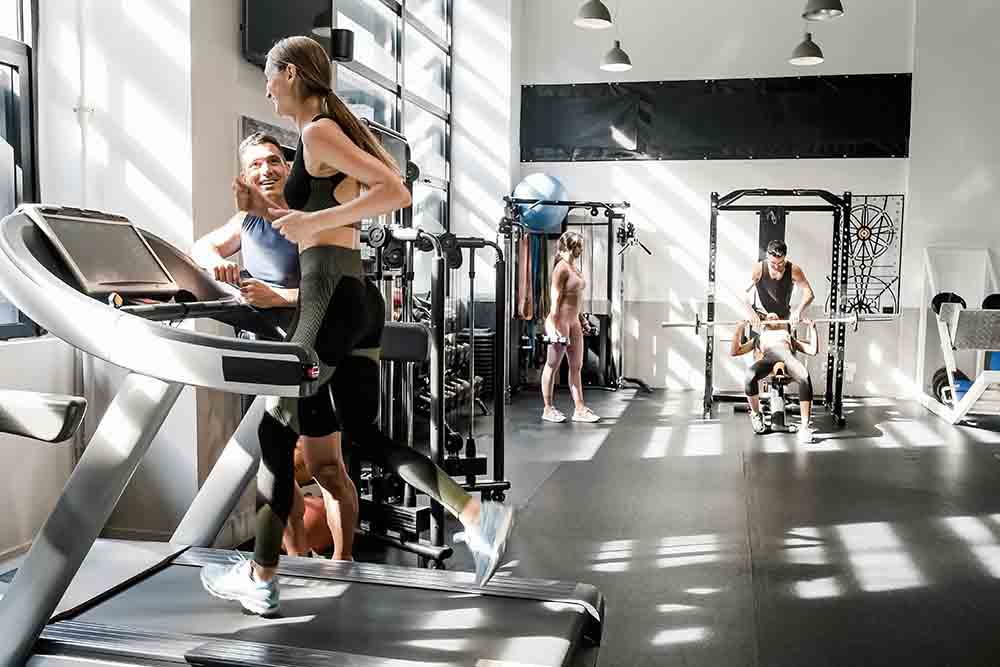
(561, 340)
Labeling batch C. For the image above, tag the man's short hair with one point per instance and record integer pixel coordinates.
(258, 139)
(777, 248)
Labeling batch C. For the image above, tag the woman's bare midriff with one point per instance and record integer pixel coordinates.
(345, 237)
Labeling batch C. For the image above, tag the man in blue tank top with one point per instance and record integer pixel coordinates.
(271, 261)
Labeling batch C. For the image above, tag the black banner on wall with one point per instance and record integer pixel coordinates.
(860, 116)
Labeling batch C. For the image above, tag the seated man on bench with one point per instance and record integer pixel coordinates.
(774, 345)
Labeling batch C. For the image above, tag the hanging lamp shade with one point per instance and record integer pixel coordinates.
(593, 15)
(807, 53)
(823, 10)
(616, 60)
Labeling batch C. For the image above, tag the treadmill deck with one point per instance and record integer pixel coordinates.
(168, 614)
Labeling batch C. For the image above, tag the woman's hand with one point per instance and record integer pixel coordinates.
(296, 226)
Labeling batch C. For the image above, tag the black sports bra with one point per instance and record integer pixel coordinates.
(305, 192)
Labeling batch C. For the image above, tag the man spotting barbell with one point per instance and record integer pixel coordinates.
(771, 285)
(776, 345)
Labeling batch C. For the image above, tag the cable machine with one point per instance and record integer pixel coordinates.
(618, 229)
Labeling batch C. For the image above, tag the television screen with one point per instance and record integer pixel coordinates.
(267, 21)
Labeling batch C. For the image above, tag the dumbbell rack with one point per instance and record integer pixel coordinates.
(485, 341)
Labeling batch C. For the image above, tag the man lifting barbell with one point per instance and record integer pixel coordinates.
(776, 345)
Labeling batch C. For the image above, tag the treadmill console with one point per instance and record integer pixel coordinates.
(106, 254)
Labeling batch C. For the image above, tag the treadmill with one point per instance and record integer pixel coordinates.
(116, 292)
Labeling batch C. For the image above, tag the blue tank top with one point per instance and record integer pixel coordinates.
(267, 255)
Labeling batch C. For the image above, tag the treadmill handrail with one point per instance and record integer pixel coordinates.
(155, 350)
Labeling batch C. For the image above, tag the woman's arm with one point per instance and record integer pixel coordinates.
(737, 348)
(326, 144)
(810, 347)
(560, 274)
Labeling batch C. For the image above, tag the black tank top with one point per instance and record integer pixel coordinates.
(306, 192)
(775, 296)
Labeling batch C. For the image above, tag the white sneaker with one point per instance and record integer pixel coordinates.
(805, 434)
(757, 422)
(236, 582)
(553, 415)
(488, 540)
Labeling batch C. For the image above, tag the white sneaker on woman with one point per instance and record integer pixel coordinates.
(805, 434)
(586, 416)
(236, 582)
(553, 415)
(488, 539)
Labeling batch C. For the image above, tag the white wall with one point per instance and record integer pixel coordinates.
(955, 151)
(689, 39)
(727, 39)
(129, 63)
(483, 163)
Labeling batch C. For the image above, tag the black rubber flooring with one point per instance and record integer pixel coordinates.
(877, 545)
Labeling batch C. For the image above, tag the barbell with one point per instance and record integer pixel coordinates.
(852, 319)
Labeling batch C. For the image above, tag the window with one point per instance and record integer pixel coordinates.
(400, 78)
(17, 164)
(10, 19)
(367, 99)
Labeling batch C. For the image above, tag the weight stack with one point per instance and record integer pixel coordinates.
(483, 354)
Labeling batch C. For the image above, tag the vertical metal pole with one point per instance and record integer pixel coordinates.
(620, 380)
(845, 260)
(470, 441)
(713, 235)
(501, 354)
(437, 362)
(507, 322)
(831, 336)
(409, 496)
(620, 315)
(388, 367)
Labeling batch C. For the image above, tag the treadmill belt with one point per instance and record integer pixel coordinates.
(411, 624)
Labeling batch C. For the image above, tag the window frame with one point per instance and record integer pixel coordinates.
(406, 20)
(27, 190)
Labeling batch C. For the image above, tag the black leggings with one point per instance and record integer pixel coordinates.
(793, 367)
(341, 314)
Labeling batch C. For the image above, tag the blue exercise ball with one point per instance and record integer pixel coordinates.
(546, 219)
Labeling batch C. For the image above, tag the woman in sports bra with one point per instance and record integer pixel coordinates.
(565, 331)
(340, 314)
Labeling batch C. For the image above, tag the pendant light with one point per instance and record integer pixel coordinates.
(616, 60)
(823, 10)
(807, 53)
(593, 15)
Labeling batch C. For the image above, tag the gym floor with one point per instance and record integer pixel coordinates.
(877, 545)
